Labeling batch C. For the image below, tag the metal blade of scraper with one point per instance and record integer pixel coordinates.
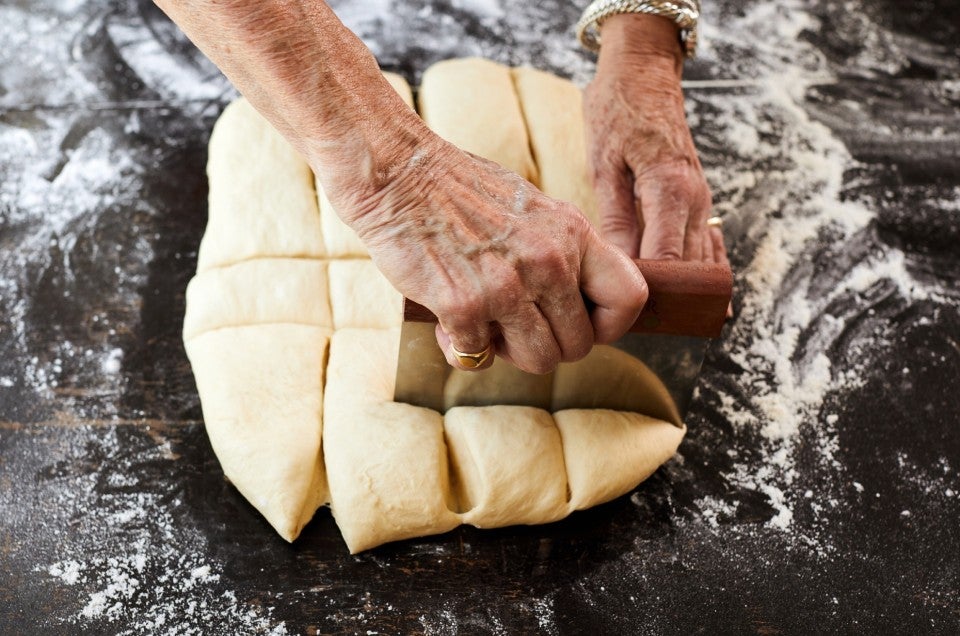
(652, 369)
(651, 374)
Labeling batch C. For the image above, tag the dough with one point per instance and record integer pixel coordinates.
(507, 465)
(362, 297)
(293, 336)
(387, 464)
(243, 223)
(553, 112)
(472, 104)
(261, 291)
(261, 387)
(629, 383)
(607, 453)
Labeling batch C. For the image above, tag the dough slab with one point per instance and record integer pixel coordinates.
(293, 337)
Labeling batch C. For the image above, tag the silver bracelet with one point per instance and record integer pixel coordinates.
(685, 13)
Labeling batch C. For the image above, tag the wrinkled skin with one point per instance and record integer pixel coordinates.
(498, 261)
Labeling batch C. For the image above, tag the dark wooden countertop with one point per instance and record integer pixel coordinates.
(817, 490)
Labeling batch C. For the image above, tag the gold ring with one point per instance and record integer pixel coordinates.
(471, 360)
(715, 221)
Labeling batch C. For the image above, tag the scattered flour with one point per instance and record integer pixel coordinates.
(715, 511)
(487, 9)
(53, 202)
(111, 363)
(67, 571)
(546, 620)
(796, 201)
(112, 580)
(790, 195)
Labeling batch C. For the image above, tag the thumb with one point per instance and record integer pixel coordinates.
(613, 283)
(619, 221)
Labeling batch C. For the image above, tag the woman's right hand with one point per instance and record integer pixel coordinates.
(495, 259)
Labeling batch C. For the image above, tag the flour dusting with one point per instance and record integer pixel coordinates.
(112, 581)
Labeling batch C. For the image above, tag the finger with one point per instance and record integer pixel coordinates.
(468, 340)
(707, 247)
(614, 284)
(619, 221)
(570, 323)
(665, 215)
(715, 234)
(696, 242)
(693, 242)
(527, 341)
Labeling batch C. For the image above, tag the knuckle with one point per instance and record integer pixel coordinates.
(552, 263)
(667, 253)
(575, 223)
(461, 308)
(507, 288)
(617, 224)
(543, 365)
(679, 171)
(577, 350)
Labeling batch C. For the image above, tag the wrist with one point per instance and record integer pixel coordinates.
(648, 42)
(381, 165)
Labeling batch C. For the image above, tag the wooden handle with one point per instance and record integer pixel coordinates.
(687, 298)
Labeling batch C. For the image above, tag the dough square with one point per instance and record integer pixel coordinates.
(360, 296)
(553, 112)
(386, 461)
(472, 104)
(262, 397)
(507, 465)
(607, 453)
(260, 291)
(262, 200)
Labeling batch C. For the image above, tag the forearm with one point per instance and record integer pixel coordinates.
(310, 76)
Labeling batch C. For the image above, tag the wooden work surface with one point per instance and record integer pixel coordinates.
(817, 489)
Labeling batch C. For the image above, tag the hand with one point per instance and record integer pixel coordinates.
(495, 259)
(653, 197)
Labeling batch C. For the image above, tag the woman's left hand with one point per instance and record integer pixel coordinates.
(653, 198)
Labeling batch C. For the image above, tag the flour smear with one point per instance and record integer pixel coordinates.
(116, 584)
(784, 192)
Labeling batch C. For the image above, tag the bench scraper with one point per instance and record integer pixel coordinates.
(651, 370)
